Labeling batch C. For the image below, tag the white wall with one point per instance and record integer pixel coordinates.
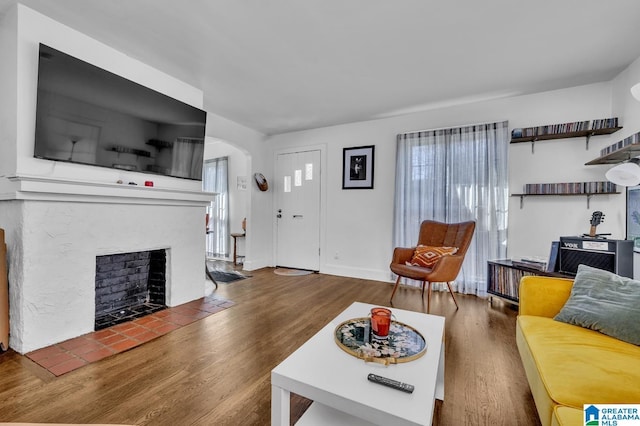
(543, 219)
(8, 101)
(625, 105)
(358, 232)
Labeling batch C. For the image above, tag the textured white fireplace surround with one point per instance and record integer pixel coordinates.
(58, 227)
(59, 216)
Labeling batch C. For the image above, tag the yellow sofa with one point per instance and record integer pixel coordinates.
(567, 365)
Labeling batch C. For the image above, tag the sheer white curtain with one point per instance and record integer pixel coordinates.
(187, 157)
(215, 179)
(454, 175)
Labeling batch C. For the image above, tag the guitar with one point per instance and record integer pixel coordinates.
(596, 218)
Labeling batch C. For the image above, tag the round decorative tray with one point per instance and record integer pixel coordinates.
(403, 344)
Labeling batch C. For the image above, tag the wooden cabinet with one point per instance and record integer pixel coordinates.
(503, 278)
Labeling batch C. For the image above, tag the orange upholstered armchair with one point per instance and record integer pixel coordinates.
(441, 269)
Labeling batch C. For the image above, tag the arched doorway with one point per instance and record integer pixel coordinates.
(228, 168)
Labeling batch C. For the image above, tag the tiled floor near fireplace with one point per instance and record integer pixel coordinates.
(77, 352)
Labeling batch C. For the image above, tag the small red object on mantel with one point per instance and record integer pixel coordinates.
(148, 183)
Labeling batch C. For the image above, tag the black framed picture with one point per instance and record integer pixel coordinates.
(357, 167)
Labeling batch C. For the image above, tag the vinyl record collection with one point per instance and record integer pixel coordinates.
(630, 140)
(601, 187)
(538, 264)
(505, 281)
(563, 128)
(604, 123)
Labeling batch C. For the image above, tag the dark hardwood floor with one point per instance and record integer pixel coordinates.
(216, 371)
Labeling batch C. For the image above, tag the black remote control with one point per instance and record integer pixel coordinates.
(404, 387)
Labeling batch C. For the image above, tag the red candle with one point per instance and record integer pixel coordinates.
(380, 322)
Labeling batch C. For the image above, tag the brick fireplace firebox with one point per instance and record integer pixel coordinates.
(129, 286)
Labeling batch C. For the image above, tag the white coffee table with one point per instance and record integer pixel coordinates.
(337, 382)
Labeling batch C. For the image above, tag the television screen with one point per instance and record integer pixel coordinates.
(88, 115)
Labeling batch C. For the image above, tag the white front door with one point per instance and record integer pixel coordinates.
(298, 210)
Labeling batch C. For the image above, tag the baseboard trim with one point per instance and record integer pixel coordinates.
(362, 273)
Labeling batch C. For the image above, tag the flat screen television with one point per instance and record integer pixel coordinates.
(91, 116)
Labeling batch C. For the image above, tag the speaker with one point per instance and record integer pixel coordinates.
(611, 255)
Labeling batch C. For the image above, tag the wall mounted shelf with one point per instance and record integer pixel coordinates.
(575, 129)
(126, 150)
(160, 144)
(618, 156)
(566, 135)
(588, 195)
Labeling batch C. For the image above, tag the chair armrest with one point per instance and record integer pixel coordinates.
(446, 269)
(402, 254)
(543, 296)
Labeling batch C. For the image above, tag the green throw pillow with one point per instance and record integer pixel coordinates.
(604, 302)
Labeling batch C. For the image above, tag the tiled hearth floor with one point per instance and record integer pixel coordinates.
(77, 352)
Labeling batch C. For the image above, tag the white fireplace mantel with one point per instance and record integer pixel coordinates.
(38, 188)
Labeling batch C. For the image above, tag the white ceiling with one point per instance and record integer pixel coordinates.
(284, 65)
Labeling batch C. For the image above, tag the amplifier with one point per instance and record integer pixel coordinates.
(611, 255)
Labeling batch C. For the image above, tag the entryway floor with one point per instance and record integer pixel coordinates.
(74, 353)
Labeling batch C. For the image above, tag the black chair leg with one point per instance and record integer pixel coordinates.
(210, 276)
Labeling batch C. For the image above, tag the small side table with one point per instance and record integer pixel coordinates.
(235, 236)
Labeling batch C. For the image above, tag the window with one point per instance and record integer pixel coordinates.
(455, 175)
(215, 179)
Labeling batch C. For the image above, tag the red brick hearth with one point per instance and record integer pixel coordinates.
(74, 353)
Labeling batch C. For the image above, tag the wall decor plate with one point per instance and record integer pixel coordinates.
(261, 181)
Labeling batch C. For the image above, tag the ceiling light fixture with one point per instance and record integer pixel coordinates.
(625, 174)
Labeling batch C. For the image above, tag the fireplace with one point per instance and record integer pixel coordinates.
(59, 216)
(129, 286)
(58, 229)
